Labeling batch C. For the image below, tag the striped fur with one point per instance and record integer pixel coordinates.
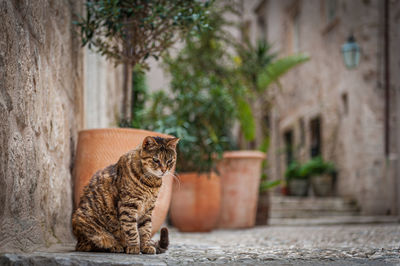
(114, 214)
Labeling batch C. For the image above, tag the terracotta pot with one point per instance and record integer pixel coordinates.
(196, 201)
(240, 173)
(98, 148)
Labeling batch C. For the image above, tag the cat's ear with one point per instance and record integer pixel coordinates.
(172, 142)
(148, 143)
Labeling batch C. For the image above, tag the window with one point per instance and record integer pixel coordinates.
(296, 33)
(246, 30)
(315, 129)
(288, 139)
(330, 10)
(261, 12)
(293, 33)
(345, 103)
(267, 122)
(302, 132)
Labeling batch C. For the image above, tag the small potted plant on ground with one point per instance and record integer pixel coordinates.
(297, 182)
(321, 174)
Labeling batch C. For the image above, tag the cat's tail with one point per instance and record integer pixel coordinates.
(162, 244)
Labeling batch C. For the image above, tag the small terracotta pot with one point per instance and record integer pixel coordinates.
(240, 173)
(195, 203)
(98, 148)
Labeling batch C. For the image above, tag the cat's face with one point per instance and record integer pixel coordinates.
(158, 155)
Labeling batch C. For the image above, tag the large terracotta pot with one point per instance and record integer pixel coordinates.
(240, 173)
(98, 148)
(195, 203)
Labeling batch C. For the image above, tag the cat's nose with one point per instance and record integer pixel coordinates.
(163, 170)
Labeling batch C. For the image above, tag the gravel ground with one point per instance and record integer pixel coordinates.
(275, 245)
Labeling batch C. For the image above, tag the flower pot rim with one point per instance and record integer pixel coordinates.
(197, 173)
(124, 130)
(244, 154)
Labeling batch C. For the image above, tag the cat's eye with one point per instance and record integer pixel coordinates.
(169, 161)
(156, 160)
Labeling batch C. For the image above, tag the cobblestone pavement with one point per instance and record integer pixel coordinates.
(276, 245)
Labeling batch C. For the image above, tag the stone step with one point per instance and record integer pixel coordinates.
(334, 220)
(301, 214)
(309, 207)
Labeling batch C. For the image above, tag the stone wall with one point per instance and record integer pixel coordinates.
(41, 110)
(350, 103)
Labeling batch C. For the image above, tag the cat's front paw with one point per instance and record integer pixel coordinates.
(133, 250)
(148, 250)
(117, 249)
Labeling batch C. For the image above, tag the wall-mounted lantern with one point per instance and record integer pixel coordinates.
(351, 52)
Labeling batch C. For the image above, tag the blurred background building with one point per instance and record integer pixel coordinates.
(323, 108)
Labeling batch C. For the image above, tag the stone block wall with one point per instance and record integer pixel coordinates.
(42, 88)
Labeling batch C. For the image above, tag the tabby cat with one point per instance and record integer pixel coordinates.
(114, 214)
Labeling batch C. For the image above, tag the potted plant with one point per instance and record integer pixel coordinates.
(321, 174)
(129, 32)
(297, 181)
(204, 68)
(198, 110)
(256, 68)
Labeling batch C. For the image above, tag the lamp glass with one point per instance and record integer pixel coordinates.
(351, 53)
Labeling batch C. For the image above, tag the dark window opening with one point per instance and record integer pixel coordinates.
(261, 20)
(330, 10)
(315, 128)
(267, 123)
(345, 103)
(288, 138)
(302, 132)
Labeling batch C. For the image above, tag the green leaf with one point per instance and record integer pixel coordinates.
(273, 71)
(265, 185)
(265, 144)
(246, 119)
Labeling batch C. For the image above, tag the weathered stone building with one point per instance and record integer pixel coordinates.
(50, 88)
(325, 108)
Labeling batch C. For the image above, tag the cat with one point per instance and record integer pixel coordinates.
(114, 213)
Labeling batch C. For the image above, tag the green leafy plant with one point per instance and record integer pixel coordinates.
(199, 109)
(139, 96)
(266, 184)
(258, 69)
(294, 171)
(131, 31)
(317, 166)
